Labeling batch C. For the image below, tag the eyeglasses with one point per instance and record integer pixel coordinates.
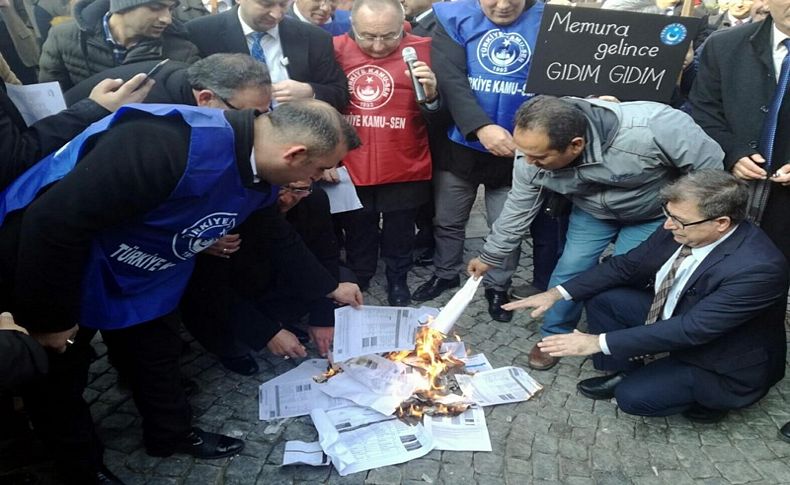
(683, 225)
(370, 38)
(299, 190)
(227, 103)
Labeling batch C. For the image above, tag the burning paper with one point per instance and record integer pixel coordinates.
(499, 386)
(456, 306)
(301, 453)
(373, 330)
(295, 393)
(358, 439)
(465, 432)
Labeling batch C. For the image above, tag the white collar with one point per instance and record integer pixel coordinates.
(702, 252)
(255, 178)
(305, 19)
(777, 37)
(423, 15)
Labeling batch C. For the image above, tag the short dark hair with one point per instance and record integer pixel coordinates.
(561, 121)
(716, 193)
(315, 124)
(375, 5)
(224, 74)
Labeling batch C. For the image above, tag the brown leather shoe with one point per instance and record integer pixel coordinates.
(540, 360)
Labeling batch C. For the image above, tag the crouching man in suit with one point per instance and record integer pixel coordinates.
(710, 336)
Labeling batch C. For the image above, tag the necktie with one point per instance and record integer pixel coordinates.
(663, 291)
(768, 134)
(256, 49)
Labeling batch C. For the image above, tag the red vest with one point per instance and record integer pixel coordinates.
(384, 111)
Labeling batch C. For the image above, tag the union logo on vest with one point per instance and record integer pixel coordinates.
(203, 234)
(503, 52)
(370, 87)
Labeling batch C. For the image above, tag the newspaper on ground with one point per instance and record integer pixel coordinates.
(342, 195)
(343, 386)
(499, 386)
(372, 330)
(295, 393)
(36, 101)
(455, 349)
(465, 432)
(301, 453)
(456, 306)
(358, 439)
(476, 363)
(384, 376)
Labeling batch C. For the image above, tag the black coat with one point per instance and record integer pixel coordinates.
(21, 359)
(309, 49)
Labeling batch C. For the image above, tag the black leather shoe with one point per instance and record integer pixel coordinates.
(600, 387)
(495, 301)
(244, 365)
(435, 287)
(425, 258)
(204, 445)
(191, 387)
(701, 414)
(784, 433)
(106, 477)
(398, 293)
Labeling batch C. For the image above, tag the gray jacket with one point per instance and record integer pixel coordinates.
(633, 149)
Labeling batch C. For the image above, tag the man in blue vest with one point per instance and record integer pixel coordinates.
(481, 52)
(111, 246)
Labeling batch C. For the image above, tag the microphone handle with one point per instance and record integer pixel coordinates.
(419, 90)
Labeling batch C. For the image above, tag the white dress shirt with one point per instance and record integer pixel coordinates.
(222, 5)
(272, 49)
(778, 49)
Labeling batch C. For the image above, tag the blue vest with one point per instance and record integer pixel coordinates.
(497, 58)
(138, 271)
(340, 24)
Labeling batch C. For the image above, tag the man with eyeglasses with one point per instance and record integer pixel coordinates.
(298, 54)
(323, 13)
(709, 336)
(392, 169)
(610, 160)
(108, 33)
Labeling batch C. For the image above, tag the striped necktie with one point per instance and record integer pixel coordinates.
(768, 135)
(256, 49)
(663, 291)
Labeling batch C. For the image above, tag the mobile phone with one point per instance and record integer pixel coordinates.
(156, 69)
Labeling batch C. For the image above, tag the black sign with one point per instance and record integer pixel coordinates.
(589, 51)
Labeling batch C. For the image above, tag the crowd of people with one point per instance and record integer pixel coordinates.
(189, 194)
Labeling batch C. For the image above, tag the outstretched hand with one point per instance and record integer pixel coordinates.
(540, 302)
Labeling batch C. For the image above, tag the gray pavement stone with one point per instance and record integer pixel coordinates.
(738, 472)
(488, 463)
(201, 474)
(242, 470)
(388, 475)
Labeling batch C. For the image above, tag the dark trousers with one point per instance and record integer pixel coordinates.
(548, 241)
(60, 415)
(363, 238)
(148, 355)
(664, 387)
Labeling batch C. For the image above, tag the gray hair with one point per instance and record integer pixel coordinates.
(642, 6)
(376, 6)
(716, 193)
(314, 124)
(224, 74)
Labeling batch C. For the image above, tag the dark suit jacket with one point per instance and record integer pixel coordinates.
(729, 319)
(311, 57)
(734, 87)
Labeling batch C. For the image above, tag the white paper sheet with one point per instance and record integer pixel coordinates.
(477, 363)
(455, 349)
(295, 393)
(465, 432)
(342, 195)
(499, 386)
(456, 306)
(383, 376)
(358, 439)
(343, 386)
(372, 330)
(301, 453)
(36, 101)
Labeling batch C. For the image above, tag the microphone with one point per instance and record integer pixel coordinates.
(410, 57)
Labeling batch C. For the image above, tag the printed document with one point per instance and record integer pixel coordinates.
(373, 330)
(498, 386)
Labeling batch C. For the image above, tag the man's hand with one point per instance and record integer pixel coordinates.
(289, 90)
(748, 168)
(782, 176)
(111, 94)
(540, 302)
(285, 344)
(322, 337)
(57, 341)
(497, 140)
(576, 343)
(477, 268)
(225, 246)
(426, 77)
(347, 294)
(7, 323)
(331, 176)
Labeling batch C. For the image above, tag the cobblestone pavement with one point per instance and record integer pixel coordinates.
(557, 437)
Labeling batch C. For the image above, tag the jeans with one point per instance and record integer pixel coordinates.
(586, 240)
